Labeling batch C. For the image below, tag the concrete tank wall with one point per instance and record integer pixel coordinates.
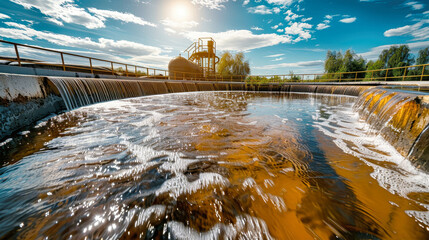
(24, 100)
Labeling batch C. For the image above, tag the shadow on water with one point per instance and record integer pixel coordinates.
(332, 201)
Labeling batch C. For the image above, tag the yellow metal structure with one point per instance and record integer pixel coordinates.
(203, 53)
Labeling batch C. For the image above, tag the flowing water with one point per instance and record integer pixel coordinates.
(210, 165)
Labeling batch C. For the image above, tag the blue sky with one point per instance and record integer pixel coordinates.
(277, 36)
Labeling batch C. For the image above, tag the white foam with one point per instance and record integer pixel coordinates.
(176, 163)
(249, 123)
(179, 185)
(420, 216)
(154, 117)
(44, 121)
(277, 202)
(145, 214)
(5, 142)
(245, 227)
(345, 126)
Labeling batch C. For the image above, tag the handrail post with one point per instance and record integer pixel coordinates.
(113, 70)
(385, 77)
(126, 69)
(62, 60)
(90, 65)
(405, 73)
(147, 72)
(423, 72)
(372, 75)
(356, 77)
(17, 54)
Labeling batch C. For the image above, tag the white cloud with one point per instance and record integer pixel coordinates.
(295, 64)
(67, 11)
(14, 34)
(300, 29)
(375, 52)
(170, 30)
(277, 59)
(3, 16)
(311, 49)
(261, 9)
(212, 4)
(418, 30)
(257, 28)
(63, 11)
(306, 19)
(120, 48)
(240, 40)
(280, 2)
(325, 23)
(328, 18)
(174, 24)
(53, 20)
(291, 16)
(322, 26)
(124, 17)
(159, 61)
(415, 5)
(245, 2)
(275, 55)
(398, 31)
(348, 20)
(142, 2)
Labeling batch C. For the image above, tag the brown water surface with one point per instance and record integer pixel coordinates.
(210, 165)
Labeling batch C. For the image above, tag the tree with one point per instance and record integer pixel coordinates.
(396, 56)
(349, 62)
(423, 57)
(371, 65)
(230, 65)
(225, 64)
(352, 63)
(333, 62)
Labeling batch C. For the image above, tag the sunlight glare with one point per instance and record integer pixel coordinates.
(180, 11)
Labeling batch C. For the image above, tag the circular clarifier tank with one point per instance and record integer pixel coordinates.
(211, 165)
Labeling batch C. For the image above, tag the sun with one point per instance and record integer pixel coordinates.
(180, 11)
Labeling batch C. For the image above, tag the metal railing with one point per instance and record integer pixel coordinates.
(406, 73)
(129, 70)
